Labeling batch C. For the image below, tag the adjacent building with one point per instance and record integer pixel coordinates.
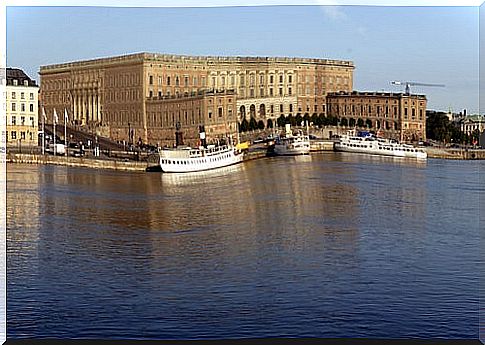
(128, 97)
(22, 99)
(472, 123)
(396, 115)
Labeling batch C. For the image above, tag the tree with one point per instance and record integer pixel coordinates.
(244, 127)
(281, 121)
(323, 120)
(360, 123)
(315, 119)
(253, 124)
(260, 124)
(368, 123)
(306, 118)
(290, 119)
(269, 124)
(344, 122)
(352, 122)
(439, 127)
(298, 120)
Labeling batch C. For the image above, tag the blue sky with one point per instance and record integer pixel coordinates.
(424, 44)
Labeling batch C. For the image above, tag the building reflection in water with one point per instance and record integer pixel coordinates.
(268, 244)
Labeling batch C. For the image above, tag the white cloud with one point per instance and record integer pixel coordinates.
(335, 13)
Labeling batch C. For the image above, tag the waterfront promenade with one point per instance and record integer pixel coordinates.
(257, 153)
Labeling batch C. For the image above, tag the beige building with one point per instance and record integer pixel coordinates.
(22, 100)
(396, 115)
(113, 94)
(214, 111)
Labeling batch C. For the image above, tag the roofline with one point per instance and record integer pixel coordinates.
(196, 58)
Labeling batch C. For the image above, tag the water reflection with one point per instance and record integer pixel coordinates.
(327, 245)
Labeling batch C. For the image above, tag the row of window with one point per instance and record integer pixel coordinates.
(381, 147)
(13, 121)
(345, 109)
(13, 135)
(22, 95)
(22, 107)
(176, 80)
(196, 160)
(16, 82)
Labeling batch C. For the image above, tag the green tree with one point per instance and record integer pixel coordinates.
(269, 124)
(439, 127)
(360, 123)
(315, 119)
(244, 126)
(298, 120)
(306, 118)
(253, 124)
(368, 123)
(260, 124)
(281, 121)
(344, 122)
(352, 122)
(323, 120)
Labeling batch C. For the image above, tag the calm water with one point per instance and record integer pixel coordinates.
(331, 245)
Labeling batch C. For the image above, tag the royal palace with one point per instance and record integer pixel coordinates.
(146, 96)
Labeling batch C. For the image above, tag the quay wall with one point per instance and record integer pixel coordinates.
(96, 163)
(321, 145)
(455, 153)
(76, 162)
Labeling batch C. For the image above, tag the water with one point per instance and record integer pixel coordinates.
(331, 245)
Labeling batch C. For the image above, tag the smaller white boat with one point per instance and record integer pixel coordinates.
(291, 145)
(364, 142)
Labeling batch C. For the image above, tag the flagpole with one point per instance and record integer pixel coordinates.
(43, 131)
(55, 147)
(65, 133)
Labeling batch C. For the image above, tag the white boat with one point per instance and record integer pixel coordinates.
(187, 159)
(291, 145)
(366, 143)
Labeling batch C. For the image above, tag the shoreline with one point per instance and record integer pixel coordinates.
(123, 165)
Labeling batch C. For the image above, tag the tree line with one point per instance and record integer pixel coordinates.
(299, 120)
(440, 128)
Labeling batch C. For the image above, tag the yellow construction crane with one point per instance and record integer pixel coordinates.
(408, 85)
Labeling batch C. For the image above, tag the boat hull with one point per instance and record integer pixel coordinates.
(383, 151)
(292, 146)
(281, 150)
(186, 165)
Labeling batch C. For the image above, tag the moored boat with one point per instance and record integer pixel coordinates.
(291, 145)
(187, 159)
(364, 142)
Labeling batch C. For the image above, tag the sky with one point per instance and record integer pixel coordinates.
(423, 44)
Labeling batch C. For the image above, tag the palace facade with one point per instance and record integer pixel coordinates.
(397, 115)
(128, 97)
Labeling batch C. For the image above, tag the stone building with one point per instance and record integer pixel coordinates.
(22, 100)
(472, 123)
(396, 115)
(213, 110)
(113, 94)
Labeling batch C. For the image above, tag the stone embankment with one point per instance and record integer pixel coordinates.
(98, 163)
(130, 165)
(76, 161)
(455, 153)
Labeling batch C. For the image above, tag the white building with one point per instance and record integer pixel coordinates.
(22, 102)
(471, 123)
